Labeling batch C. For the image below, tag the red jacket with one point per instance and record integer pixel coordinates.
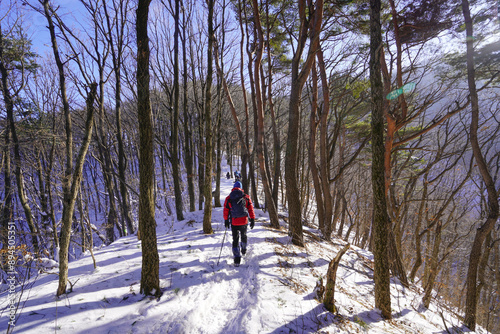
(239, 220)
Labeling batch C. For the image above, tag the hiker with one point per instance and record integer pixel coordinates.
(238, 208)
(228, 175)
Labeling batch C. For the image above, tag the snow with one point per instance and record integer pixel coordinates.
(271, 292)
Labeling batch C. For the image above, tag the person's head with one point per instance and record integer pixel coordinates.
(237, 184)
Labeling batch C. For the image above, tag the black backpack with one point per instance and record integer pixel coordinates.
(238, 206)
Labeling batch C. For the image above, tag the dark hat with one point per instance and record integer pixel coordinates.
(237, 184)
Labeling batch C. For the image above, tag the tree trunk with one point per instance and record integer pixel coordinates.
(44, 205)
(68, 172)
(483, 264)
(68, 178)
(218, 147)
(418, 237)
(313, 126)
(117, 66)
(331, 278)
(276, 137)
(493, 207)
(69, 206)
(298, 80)
(174, 157)
(380, 217)
(150, 279)
(433, 267)
(218, 125)
(48, 179)
(271, 205)
(292, 189)
(245, 140)
(7, 205)
(188, 138)
(106, 166)
(207, 188)
(9, 108)
(323, 150)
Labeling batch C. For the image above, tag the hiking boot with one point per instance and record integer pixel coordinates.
(243, 251)
(237, 261)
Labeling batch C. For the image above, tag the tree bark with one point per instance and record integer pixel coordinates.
(188, 138)
(68, 172)
(271, 205)
(150, 277)
(276, 137)
(70, 181)
(313, 126)
(117, 57)
(308, 26)
(245, 156)
(106, 161)
(9, 108)
(174, 158)
(380, 216)
(7, 205)
(69, 206)
(331, 278)
(493, 206)
(323, 151)
(207, 188)
(418, 237)
(433, 267)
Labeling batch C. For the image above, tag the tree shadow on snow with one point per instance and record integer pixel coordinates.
(309, 322)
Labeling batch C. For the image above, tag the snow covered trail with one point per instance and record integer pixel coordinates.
(203, 297)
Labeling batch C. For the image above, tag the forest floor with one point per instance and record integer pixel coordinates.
(271, 292)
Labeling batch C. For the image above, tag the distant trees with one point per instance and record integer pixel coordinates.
(308, 133)
(17, 61)
(115, 32)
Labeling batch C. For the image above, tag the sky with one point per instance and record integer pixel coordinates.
(36, 24)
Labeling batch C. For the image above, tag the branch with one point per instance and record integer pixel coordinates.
(434, 124)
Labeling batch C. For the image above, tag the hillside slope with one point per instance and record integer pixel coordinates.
(272, 292)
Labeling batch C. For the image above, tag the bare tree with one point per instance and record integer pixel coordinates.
(310, 25)
(271, 205)
(150, 273)
(174, 142)
(207, 187)
(117, 43)
(72, 177)
(188, 137)
(493, 209)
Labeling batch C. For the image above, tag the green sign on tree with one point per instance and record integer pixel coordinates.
(405, 89)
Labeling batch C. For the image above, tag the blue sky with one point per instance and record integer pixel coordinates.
(69, 10)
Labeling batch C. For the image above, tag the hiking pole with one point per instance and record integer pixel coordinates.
(224, 238)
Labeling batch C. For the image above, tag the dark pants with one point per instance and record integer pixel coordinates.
(237, 230)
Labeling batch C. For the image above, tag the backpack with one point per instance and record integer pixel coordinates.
(238, 201)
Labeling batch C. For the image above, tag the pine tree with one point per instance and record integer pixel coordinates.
(380, 215)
